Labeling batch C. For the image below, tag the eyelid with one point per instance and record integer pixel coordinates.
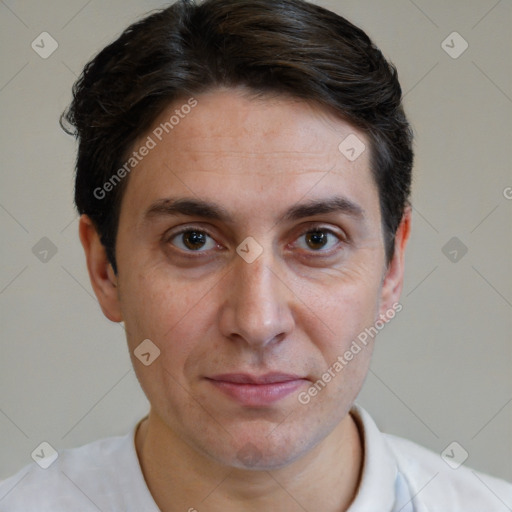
(171, 233)
(322, 227)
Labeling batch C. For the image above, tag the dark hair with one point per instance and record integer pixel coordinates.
(288, 47)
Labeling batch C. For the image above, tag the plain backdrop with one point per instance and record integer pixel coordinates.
(442, 367)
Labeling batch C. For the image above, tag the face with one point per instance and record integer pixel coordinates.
(250, 252)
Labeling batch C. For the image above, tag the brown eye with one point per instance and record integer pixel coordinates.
(318, 240)
(193, 240)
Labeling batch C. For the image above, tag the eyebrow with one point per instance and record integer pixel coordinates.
(208, 210)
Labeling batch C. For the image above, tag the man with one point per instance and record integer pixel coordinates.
(243, 176)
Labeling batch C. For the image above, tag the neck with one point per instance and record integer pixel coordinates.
(180, 478)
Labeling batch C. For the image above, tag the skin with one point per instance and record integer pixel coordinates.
(295, 309)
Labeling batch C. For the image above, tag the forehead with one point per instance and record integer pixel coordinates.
(246, 149)
(227, 120)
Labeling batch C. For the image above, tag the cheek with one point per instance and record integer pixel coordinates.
(177, 317)
(170, 312)
(342, 305)
(337, 327)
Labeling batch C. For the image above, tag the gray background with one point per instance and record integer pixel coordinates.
(442, 368)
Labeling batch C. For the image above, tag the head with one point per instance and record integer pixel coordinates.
(225, 119)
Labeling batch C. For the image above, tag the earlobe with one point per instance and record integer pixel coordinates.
(394, 277)
(102, 276)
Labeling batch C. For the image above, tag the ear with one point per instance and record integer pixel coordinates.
(394, 277)
(101, 273)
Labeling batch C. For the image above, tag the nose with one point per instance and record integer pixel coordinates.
(256, 310)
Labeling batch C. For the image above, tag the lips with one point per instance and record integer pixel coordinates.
(256, 390)
(244, 378)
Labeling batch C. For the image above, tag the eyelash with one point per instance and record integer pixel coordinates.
(342, 239)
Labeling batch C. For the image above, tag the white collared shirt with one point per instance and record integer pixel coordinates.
(398, 476)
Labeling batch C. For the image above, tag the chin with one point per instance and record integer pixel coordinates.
(263, 452)
(258, 458)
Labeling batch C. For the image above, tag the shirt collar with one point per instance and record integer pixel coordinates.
(380, 471)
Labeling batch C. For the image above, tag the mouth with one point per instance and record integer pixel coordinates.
(256, 391)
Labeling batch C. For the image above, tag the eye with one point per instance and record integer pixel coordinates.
(318, 240)
(193, 240)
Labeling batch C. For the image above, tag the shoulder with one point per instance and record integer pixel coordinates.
(77, 479)
(436, 484)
